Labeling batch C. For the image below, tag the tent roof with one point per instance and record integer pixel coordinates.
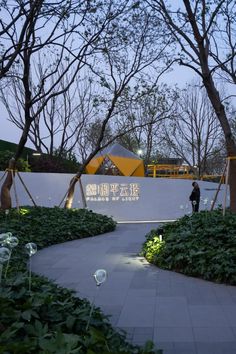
(118, 150)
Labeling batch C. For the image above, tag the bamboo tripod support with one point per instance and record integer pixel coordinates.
(3, 175)
(26, 189)
(226, 185)
(226, 175)
(81, 190)
(15, 173)
(219, 185)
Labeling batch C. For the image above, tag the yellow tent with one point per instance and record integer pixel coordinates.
(116, 160)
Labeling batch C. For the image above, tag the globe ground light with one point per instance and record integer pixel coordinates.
(31, 249)
(161, 234)
(181, 209)
(4, 257)
(100, 276)
(4, 237)
(205, 202)
(188, 211)
(3, 242)
(10, 242)
(6, 216)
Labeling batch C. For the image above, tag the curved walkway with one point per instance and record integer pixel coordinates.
(182, 315)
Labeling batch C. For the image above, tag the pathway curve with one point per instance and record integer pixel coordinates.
(182, 315)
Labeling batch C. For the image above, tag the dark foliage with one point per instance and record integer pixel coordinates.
(56, 164)
(203, 245)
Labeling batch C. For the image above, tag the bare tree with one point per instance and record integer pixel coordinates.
(14, 23)
(17, 19)
(153, 105)
(59, 125)
(193, 131)
(194, 26)
(71, 38)
(132, 48)
(224, 36)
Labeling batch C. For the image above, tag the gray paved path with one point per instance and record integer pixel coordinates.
(182, 315)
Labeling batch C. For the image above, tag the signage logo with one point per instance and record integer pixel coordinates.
(106, 192)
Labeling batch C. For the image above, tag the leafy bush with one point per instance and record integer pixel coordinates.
(5, 156)
(203, 245)
(56, 164)
(48, 226)
(50, 319)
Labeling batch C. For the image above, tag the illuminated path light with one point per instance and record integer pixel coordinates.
(180, 314)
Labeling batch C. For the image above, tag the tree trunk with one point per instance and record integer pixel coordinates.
(229, 139)
(7, 184)
(232, 180)
(70, 194)
(6, 187)
(76, 178)
(71, 191)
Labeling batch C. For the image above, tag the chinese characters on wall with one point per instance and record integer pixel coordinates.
(106, 192)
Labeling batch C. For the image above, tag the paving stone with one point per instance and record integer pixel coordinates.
(230, 313)
(213, 334)
(183, 315)
(185, 347)
(163, 345)
(181, 348)
(216, 348)
(143, 293)
(143, 330)
(115, 298)
(173, 334)
(47, 272)
(135, 315)
(208, 316)
(231, 290)
(172, 312)
(142, 338)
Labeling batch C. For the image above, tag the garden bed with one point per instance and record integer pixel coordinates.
(202, 245)
(50, 319)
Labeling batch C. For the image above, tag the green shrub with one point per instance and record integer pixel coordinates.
(53, 163)
(203, 245)
(48, 226)
(5, 156)
(50, 319)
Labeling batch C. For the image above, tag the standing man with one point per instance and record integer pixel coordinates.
(195, 197)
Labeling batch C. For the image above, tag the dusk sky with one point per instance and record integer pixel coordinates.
(179, 75)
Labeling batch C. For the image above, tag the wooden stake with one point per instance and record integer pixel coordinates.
(3, 175)
(14, 187)
(219, 185)
(226, 185)
(27, 191)
(82, 193)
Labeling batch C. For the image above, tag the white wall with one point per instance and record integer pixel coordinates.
(136, 198)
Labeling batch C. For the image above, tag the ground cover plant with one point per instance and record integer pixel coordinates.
(202, 245)
(48, 226)
(50, 319)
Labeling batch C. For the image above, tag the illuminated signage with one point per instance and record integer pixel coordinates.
(106, 192)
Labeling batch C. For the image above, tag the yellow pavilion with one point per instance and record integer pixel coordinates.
(116, 160)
